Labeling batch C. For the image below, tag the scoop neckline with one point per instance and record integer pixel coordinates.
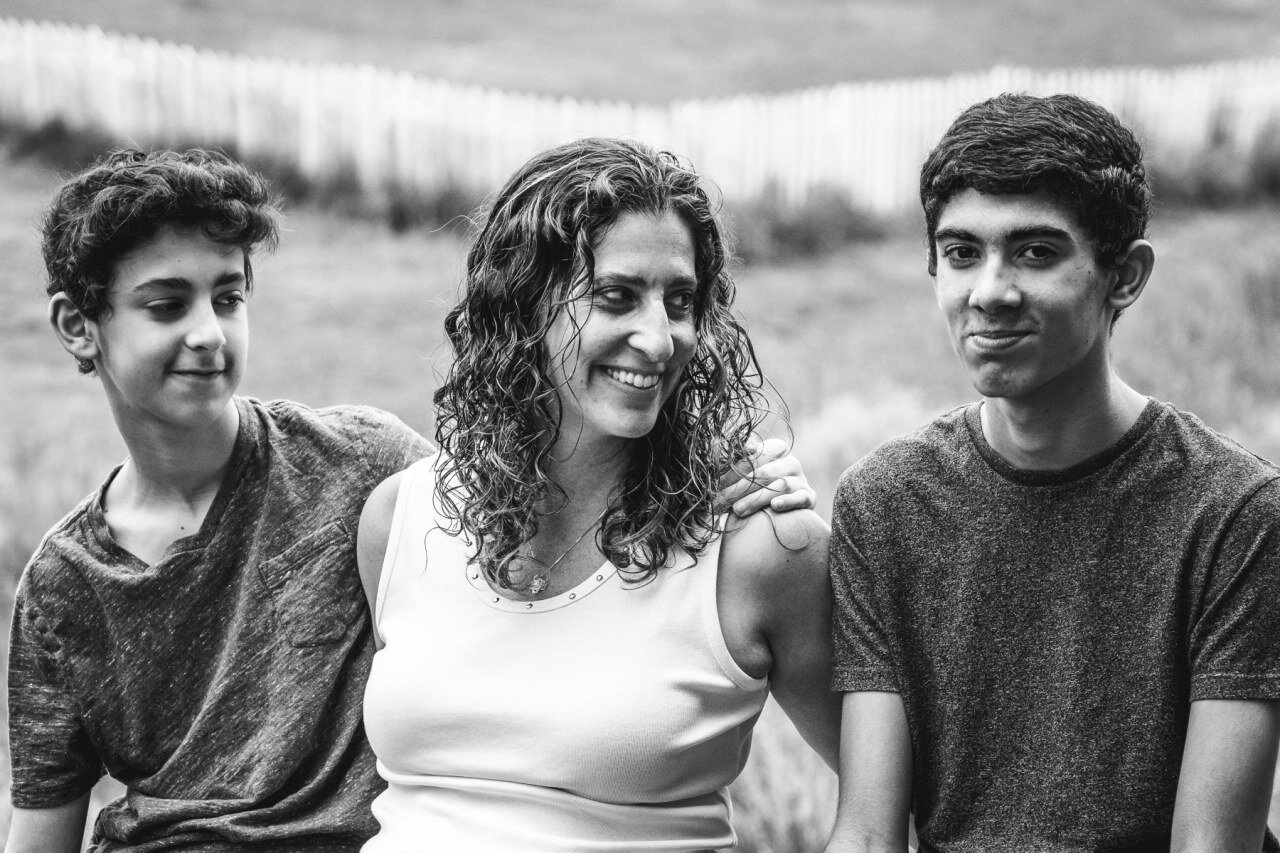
(588, 585)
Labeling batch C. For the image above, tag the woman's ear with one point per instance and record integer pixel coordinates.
(76, 332)
(1133, 267)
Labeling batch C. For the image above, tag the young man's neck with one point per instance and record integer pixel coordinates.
(174, 465)
(1055, 432)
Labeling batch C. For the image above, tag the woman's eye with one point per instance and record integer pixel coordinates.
(612, 295)
(682, 301)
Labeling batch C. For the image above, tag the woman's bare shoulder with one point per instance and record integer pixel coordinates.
(375, 530)
(768, 542)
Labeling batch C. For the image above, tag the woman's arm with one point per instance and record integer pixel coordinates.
(55, 830)
(371, 540)
(774, 599)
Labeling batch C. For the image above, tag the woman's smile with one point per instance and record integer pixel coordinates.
(633, 379)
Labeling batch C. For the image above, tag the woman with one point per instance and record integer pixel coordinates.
(576, 644)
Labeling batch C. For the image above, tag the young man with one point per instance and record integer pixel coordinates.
(196, 627)
(1057, 618)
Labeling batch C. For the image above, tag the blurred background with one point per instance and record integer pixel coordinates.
(387, 121)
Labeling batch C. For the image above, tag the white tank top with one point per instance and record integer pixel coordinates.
(610, 717)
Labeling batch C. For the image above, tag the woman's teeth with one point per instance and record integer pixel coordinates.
(635, 380)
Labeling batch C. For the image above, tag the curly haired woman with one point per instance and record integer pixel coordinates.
(576, 644)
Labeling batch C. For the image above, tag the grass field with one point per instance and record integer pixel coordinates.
(347, 312)
(661, 50)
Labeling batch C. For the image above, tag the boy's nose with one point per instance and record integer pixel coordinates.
(206, 332)
(996, 288)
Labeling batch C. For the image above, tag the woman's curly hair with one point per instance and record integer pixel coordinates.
(497, 410)
(124, 198)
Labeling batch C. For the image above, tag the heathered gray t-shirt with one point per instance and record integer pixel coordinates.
(223, 684)
(1048, 630)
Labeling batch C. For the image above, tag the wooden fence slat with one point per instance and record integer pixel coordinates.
(864, 139)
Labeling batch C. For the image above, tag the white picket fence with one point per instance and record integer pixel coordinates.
(865, 138)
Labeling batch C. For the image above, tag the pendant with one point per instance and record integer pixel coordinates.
(537, 585)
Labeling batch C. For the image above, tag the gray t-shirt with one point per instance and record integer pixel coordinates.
(1048, 630)
(223, 684)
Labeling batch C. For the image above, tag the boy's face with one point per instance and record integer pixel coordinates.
(172, 345)
(1025, 299)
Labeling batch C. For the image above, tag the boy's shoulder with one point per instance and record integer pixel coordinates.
(349, 421)
(338, 431)
(1202, 451)
(924, 452)
(68, 550)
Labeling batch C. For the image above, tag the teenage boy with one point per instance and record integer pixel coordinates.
(1058, 609)
(196, 627)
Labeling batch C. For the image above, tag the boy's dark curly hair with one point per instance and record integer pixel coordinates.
(1065, 145)
(124, 198)
(497, 410)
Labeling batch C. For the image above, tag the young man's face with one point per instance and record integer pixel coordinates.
(172, 344)
(1025, 299)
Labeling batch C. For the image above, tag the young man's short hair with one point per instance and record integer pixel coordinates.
(1064, 145)
(123, 199)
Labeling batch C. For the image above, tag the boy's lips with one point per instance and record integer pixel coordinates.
(201, 373)
(997, 339)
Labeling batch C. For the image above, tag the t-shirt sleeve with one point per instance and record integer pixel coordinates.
(390, 445)
(861, 639)
(53, 760)
(1235, 637)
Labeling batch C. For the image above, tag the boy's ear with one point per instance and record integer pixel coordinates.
(76, 332)
(1133, 267)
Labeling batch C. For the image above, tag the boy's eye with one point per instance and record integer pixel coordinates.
(231, 299)
(164, 307)
(1039, 252)
(959, 252)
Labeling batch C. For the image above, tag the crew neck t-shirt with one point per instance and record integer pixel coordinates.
(223, 684)
(1047, 630)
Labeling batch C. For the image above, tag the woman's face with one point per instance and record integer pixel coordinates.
(619, 347)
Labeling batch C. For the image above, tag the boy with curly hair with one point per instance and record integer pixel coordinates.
(1056, 624)
(196, 627)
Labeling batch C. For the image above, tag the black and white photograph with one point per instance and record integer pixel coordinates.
(832, 426)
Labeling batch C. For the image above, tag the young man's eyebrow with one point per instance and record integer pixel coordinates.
(1032, 231)
(179, 283)
(1026, 232)
(953, 233)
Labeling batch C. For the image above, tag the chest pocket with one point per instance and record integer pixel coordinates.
(315, 586)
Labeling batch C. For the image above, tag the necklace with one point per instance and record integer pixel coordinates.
(539, 581)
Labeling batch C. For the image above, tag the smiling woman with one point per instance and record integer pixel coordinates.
(558, 566)
(622, 345)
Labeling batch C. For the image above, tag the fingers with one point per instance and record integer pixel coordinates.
(782, 494)
(770, 449)
(801, 496)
